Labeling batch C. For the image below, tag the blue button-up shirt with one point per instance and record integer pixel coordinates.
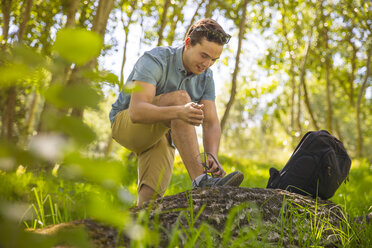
(163, 67)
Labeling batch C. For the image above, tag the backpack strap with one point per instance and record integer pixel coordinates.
(301, 142)
(274, 178)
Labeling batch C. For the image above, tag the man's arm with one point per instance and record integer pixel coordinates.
(211, 134)
(142, 109)
(145, 108)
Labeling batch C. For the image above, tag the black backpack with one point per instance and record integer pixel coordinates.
(317, 167)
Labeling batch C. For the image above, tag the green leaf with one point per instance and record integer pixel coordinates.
(106, 173)
(11, 156)
(102, 77)
(27, 56)
(78, 45)
(77, 129)
(130, 88)
(75, 95)
(12, 73)
(102, 209)
(71, 126)
(19, 65)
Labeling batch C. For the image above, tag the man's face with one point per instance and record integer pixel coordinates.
(201, 56)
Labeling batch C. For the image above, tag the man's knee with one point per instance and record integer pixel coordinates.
(145, 194)
(182, 96)
(179, 97)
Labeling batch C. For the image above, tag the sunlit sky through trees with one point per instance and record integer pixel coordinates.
(254, 48)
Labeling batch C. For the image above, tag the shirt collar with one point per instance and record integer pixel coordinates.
(179, 62)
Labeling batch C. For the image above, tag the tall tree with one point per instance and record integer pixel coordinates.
(99, 25)
(292, 74)
(129, 11)
(175, 18)
(71, 13)
(327, 66)
(361, 94)
(242, 31)
(61, 73)
(303, 81)
(193, 18)
(12, 91)
(6, 6)
(209, 8)
(163, 21)
(25, 18)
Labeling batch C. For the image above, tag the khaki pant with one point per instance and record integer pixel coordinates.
(150, 142)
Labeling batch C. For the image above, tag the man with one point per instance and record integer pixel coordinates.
(177, 93)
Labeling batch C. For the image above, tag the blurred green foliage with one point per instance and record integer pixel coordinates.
(78, 45)
(19, 64)
(61, 174)
(52, 180)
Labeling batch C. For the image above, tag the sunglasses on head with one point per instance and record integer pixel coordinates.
(213, 35)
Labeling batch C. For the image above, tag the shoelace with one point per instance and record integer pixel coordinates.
(205, 155)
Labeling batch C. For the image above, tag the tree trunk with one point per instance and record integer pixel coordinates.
(338, 131)
(209, 9)
(236, 70)
(352, 74)
(11, 97)
(6, 7)
(121, 82)
(110, 143)
(61, 74)
(31, 113)
(299, 110)
(193, 17)
(126, 30)
(163, 23)
(99, 26)
(359, 101)
(9, 112)
(142, 36)
(30, 119)
(303, 81)
(101, 17)
(328, 93)
(284, 126)
(293, 96)
(25, 18)
(74, 5)
(174, 22)
(327, 72)
(291, 71)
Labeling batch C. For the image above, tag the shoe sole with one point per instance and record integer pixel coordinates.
(235, 180)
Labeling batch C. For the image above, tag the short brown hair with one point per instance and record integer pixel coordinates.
(209, 29)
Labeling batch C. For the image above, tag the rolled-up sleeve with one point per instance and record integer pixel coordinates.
(148, 69)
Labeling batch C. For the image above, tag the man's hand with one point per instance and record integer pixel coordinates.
(192, 113)
(214, 167)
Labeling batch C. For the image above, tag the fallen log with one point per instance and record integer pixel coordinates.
(226, 215)
(271, 216)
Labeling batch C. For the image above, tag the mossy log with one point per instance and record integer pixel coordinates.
(268, 215)
(264, 216)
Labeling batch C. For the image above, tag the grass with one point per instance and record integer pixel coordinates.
(52, 200)
(354, 197)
